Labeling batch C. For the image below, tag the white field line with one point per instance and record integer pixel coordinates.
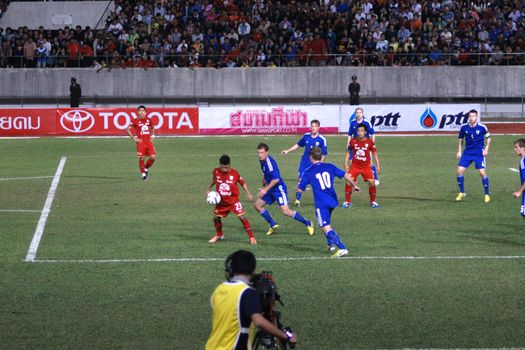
(514, 170)
(302, 258)
(33, 247)
(19, 211)
(24, 178)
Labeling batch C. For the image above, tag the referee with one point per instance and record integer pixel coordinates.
(236, 305)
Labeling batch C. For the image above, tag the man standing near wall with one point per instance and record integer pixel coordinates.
(353, 90)
(75, 92)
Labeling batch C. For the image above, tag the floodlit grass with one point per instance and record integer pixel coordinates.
(102, 210)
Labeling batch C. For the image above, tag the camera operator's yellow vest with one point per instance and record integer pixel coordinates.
(226, 323)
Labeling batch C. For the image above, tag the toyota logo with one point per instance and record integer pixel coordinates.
(77, 121)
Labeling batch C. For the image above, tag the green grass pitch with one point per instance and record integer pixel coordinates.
(103, 211)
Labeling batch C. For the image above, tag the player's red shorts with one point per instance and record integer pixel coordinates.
(146, 149)
(222, 210)
(366, 173)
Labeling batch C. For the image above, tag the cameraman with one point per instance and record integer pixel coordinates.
(236, 298)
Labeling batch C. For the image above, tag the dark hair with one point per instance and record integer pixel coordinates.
(520, 143)
(241, 262)
(473, 111)
(362, 126)
(359, 108)
(315, 153)
(141, 106)
(315, 121)
(224, 160)
(264, 146)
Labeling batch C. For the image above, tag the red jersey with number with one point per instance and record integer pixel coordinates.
(226, 185)
(361, 151)
(142, 128)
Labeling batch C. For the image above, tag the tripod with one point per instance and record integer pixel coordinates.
(265, 341)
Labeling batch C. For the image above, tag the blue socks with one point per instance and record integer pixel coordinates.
(266, 216)
(461, 184)
(485, 180)
(298, 195)
(333, 238)
(300, 218)
(374, 171)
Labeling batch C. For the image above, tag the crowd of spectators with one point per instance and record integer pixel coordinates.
(274, 33)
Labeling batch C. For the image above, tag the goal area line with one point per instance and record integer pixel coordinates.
(303, 258)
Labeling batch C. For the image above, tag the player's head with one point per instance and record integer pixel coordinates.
(315, 154)
(519, 147)
(224, 163)
(142, 111)
(359, 112)
(262, 151)
(472, 116)
(362, 129)
(314, 126)
(241, 262)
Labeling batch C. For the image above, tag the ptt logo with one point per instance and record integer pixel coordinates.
(77, 121)
(429, 120)
(382, 122)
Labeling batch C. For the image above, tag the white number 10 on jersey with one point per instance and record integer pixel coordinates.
(324, 180)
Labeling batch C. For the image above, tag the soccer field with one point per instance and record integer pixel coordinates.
(124, 263)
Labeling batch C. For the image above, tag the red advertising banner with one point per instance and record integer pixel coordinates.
(27, 122)
(94, 121)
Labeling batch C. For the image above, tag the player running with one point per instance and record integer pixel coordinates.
(321, 177)
(371, 134)
(274, 190)
(144, 131)
(361, 147)
(519, 147)
(309, 140)
(225, 180)
(473, 134)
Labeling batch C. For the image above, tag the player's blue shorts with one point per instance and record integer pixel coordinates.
(323, 215)
(305, 164)
(466, 159)
(277, 194)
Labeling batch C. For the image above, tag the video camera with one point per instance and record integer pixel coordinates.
(265, 287)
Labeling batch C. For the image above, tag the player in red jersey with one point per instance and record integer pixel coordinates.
(362, 147)
(144, 132)
(225, 180)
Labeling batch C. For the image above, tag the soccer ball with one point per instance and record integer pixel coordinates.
(213, 198)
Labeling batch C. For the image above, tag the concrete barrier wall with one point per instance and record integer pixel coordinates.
(54, 15)
(269, 82)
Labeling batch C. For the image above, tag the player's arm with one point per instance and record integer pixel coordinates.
(460, 146)
(347, 161)
(212, 183)
(376, 158)
(133, 137)
(520, 191)
(152, 130)
(351, 182)
(268, 187)
(487, 145)
(245, 187)
(293, 148)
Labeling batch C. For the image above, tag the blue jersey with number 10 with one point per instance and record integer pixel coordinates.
(321, 177)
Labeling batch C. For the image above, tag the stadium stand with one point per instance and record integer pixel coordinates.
(276, 33)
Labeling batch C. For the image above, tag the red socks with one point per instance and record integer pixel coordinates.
(372, 193)
(141, 165)
(150, 163)
(218, 227)
(348, 193)
(247, 227)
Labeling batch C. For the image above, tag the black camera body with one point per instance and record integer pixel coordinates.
(265, 287)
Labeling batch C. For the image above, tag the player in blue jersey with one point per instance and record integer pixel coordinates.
(309, 140)
(321, 177)
(473, 134)
(519, 147)
(274, 190)
(371, 134)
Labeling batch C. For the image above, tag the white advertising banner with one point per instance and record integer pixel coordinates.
(260, 120)
(419, 118)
